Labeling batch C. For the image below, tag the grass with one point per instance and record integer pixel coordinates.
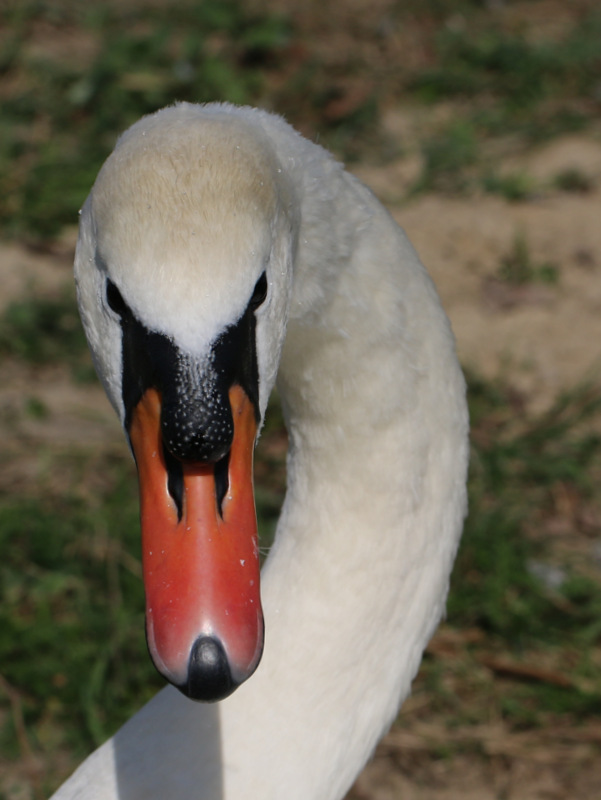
(64, 588)
(514, 186)
(46, 330)
(61, 115)
(70, 584)
(518, 268)
(64, 106)
(517, 73)
(517, 468)
(504, 84)
(448, 158)
(574, 180)
(524, 648)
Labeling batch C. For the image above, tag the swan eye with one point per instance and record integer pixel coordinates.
(115, 300)
(259, 293)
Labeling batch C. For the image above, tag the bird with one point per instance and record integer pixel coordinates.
(221, 254)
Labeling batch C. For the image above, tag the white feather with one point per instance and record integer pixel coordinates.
(186, 213)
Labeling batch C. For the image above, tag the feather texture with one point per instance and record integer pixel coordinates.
(194, 203)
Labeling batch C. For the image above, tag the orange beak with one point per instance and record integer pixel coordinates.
(204, 623)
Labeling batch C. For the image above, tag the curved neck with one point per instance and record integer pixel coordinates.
(358, 575)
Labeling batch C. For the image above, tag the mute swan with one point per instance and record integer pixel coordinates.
(219, 249)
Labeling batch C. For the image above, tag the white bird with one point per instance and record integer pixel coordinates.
(220, 250)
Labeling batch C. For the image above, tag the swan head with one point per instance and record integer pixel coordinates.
(183, 270)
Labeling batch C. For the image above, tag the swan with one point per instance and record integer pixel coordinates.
(218, 251)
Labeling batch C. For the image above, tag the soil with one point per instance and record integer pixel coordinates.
(542, 338)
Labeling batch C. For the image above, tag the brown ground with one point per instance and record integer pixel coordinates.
(544, 338)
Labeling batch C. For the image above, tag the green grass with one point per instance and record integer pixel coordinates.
(514, 186)
(46, 330)
(517, 72)
(518, 466)
(63, 113)
(63, 107)
(506, 85)
(574, 180)
(448, 158)
(518, 267)
(72, 605)
(42, 330)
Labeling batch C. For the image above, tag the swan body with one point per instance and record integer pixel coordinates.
(193, 206)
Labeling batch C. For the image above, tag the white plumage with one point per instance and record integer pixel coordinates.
(194, 203)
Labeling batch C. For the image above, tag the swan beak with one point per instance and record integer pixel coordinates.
(204, 623)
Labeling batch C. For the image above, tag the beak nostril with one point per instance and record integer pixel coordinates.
(175, 481)
(222, 483)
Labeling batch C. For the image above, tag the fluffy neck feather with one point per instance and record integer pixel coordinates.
(357, 579)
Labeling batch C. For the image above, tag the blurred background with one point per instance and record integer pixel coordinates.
(479, 125)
